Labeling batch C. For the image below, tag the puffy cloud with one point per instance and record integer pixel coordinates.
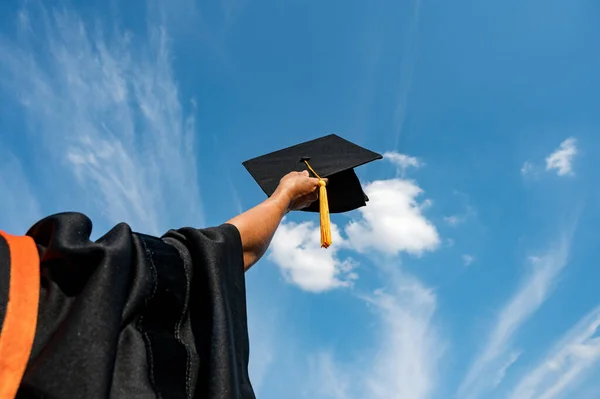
(562, 158)
(296, 249)
(393, 220)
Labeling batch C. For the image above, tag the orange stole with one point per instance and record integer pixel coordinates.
(18, 330)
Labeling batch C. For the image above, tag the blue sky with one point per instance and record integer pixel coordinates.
(472, 273)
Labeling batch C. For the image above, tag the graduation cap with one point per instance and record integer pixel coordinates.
(330, 157)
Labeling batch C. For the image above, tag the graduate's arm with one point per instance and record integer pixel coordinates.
(257, 226)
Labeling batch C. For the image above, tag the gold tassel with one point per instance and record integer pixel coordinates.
(323, 210)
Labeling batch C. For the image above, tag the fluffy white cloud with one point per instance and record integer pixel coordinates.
(393, 220)
(296, 249)
(565, 364)
(490, 365)
(562, 158)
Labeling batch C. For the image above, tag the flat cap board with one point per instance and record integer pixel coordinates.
(331, 157)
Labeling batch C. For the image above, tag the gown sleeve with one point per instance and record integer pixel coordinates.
(136, 316)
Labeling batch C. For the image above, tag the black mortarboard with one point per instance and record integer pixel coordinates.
(330, 157)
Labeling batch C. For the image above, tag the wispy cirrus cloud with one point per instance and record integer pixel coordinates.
(489, 367)
(407, 69)
(410, 346)
(527, 168)
(108, 111)
(107, 107)
(468, 214)
(405, 360)
(566, 364)
(468, 259)
(453, 220)
(327, 378)
(561, 159)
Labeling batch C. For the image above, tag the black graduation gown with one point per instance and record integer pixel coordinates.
(135, 316)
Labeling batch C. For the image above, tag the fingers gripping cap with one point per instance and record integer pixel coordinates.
(331, 156)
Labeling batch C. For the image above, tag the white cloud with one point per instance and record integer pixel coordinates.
(562, 158)
(535, 289)
(393, 220)
(402, 161)
(296, 249)
(526, 168)
(108, 109)
(409, 346)
(570, 359)
(405, 360)
(453, 220)
(468, 259)
(512, 358)
(407, 69)
(327, 379)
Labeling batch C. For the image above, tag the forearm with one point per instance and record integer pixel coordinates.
(257, 226)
